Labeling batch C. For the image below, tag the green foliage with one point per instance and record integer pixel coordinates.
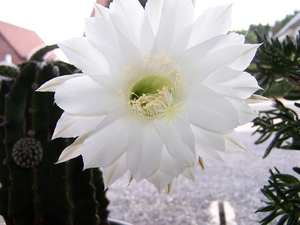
(282, 124)
(283, 197)
(281, 23)
(265, 30)
(250, 34)
(35, 190)
(277, 67)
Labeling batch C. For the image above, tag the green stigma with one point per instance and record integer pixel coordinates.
(149, 85)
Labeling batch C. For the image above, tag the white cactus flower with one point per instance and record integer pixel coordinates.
(159, 91)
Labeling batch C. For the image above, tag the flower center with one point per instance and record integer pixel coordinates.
(151, 95)
(149, 86)
(156, 93)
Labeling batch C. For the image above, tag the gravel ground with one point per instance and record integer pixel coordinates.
(237, 180)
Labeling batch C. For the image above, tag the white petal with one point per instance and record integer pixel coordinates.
(233, 141)
(256, 99)
(209, 144)
(246, 114)
(215, 21)
(160, 180)
(115, 170)
(73, 150)
(231, 83)
(222, 41)
(52, 84)
(73, 126)
(101, 11)
(245, 58)
(82, 54)
(210, 110)
(189, 173)
(169, 165)
(178, 138)
(107, 142)
(153, 10)
(201, 60)
(147, 37)
(144, 149)
(82, 95)
(128, 17)
(171, 26)
(119, 51)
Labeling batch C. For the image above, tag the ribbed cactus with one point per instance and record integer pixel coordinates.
(35, 190)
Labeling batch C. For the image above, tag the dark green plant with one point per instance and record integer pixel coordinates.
(35, 190)
(281, 124)
(283, 197)
(277, 67)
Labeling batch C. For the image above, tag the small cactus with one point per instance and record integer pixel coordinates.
(27, 152)
(35, 190)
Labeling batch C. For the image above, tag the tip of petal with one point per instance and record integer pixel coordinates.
(189, 173)
(130, 179)
(51, 85)
(256, 99)
(169, 187)
(233, 141)
(101, 11)
(201, 163)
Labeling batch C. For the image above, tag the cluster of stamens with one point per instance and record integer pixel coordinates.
(150, 105)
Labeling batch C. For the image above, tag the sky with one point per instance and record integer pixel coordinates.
(58, 20)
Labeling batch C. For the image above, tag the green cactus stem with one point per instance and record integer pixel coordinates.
(4, 172)
(100, 196)
(20, 193)
(33, 189)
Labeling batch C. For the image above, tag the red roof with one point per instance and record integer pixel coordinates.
(22, 40)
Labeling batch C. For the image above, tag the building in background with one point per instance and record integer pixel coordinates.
(290, 29)
(17, 44)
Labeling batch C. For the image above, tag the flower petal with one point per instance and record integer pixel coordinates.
(101, 11)
(52, 84)
(160, 180)
(201, 60)
(119, 51)
(169, 165)
(153, 10)
(107, 142)
(144, 149)
(228, 82)
(115, 170)
(82, 54)
(213, 22)
(128, 18)
(232, 141)
(245, 58)
(73, 150)
(210, 110)
(165, 40)
(73, 125)
(82, 95)
(209, 144)
(245, 113)
(190, 173)
(147, 37)
(178, 138)
(256, 99)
